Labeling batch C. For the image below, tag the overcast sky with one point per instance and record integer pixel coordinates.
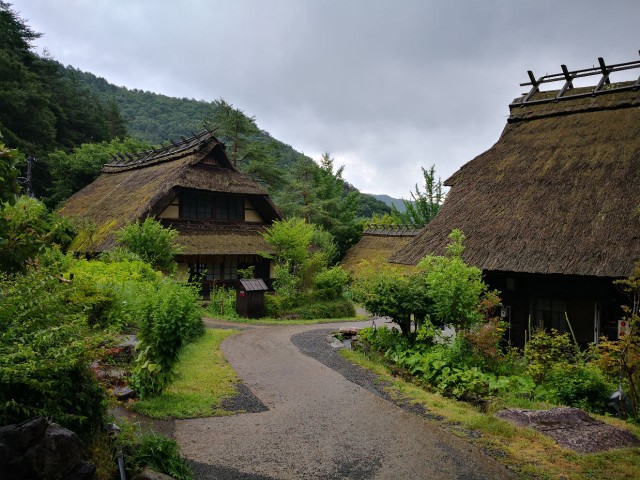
(384, 86)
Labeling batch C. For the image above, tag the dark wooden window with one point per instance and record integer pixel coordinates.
(209, 206)
(550, 313)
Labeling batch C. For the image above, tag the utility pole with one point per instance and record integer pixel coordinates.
(27, 180)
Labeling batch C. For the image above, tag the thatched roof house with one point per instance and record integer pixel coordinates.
(552, 211)
(191, 186)
(378, 243)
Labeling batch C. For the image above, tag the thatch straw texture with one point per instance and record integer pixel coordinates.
(124, 194)
(558, 194)
(204, 238)
(373, 248)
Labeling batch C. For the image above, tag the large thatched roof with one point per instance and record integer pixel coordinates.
(559, 193)
(137, 186)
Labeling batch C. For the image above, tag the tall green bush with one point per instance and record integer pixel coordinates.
(170, 319)
(330, 284)
(154, 243)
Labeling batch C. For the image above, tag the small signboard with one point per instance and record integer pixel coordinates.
(623, 328)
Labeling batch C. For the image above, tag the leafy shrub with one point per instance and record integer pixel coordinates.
(151, 241)
(449, 368)
(331, 283)
(545, 349)
(45, 352)
(170, 320)
(582, 386)
(325, 309)
(456, 290)
(155, 451)
(116, 292)
(273, 306)
(27, 228)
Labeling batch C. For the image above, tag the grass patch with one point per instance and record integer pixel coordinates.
(203, 378)
(528, 452)
(281, 321)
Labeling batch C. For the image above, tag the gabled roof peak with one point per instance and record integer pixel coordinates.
(185, 146)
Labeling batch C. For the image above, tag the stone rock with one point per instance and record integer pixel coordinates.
(349, 331)
(56, 455)
(83, 471)
(126, 348)
(22, 435)
(124, 393)
(150, 474)
(337, 344)
(12, 464)
(571, 428)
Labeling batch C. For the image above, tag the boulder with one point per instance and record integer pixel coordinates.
(23, 435)
(124, 393)
(56, 455)
(150, 474)
(571, 428)
(349, 331)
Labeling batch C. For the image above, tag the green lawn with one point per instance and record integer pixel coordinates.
(528, 452)
(203, 378)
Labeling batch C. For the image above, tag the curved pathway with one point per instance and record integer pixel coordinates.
(319, 425)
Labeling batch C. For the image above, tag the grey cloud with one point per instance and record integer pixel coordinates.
(385, 86)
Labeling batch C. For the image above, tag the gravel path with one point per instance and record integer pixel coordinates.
(319, 424)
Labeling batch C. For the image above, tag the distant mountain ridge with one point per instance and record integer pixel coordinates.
(390, 201)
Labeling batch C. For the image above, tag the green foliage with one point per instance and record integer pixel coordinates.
(285, 284)
(222, 303)
(319, 195)
(45, 352)
(301, 252)
(171, 318)
(27, 228)
(424, 206)
(331, 283)
(290, 240)
(454, 288)
(73, 171)
(371, 207)
(115, 292)
(314, 309)
(546, 349)
(621, 358)
(156, 451)
(450, 367)
(151, 241)
(387, 292)
(444, 290)
(276, 305)
(245, 144)
(577, 385)
(9, 187)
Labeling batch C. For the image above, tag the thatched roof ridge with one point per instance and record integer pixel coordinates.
(187, 146)
(559, 193)
(392, 230)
